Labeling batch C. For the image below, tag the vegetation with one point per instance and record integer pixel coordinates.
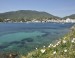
(1, 20)
(71, 16)
(64, 48)
(26, 15)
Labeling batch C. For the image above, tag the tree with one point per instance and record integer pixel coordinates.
(1, 20)
(22, 20)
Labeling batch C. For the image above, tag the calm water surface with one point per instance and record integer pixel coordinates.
(24, 37)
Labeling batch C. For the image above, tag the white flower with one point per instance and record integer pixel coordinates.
(72, 41)
(50, 45)
(43, 50)
(54, 46)
(73, 38)
(36, 48)
(44, 46)
(58, 43)
(65, 50)
(64, 41)
(54, 52)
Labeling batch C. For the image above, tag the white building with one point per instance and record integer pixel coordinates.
(68, 20)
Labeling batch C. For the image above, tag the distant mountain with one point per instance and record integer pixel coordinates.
(26, 15)
(70, 16)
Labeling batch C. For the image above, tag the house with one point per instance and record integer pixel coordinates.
(68, 20)
(7, 20)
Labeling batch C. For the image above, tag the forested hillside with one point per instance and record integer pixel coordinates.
(26, 15)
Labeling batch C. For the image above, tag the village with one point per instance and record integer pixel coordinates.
(68, 20)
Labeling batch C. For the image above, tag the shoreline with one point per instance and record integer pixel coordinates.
(56, 49)
(40, 22)
(41, 48)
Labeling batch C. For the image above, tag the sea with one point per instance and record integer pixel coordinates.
(26, 37)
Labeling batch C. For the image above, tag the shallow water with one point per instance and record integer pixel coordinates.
(24, 37)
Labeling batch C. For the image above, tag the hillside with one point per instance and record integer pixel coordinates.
(70, 16)
(64, 48)
(26, 15)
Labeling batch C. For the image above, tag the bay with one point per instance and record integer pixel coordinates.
(28, 36)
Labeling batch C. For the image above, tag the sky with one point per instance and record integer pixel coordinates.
(59, 8)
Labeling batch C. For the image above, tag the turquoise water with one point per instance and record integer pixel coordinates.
(25, 37)
(19, 36)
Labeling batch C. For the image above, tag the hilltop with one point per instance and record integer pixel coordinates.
(30, 15)
(70, 16)
(26, 15)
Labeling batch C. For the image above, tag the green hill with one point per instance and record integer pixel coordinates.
(26, 15)
(70, 16)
